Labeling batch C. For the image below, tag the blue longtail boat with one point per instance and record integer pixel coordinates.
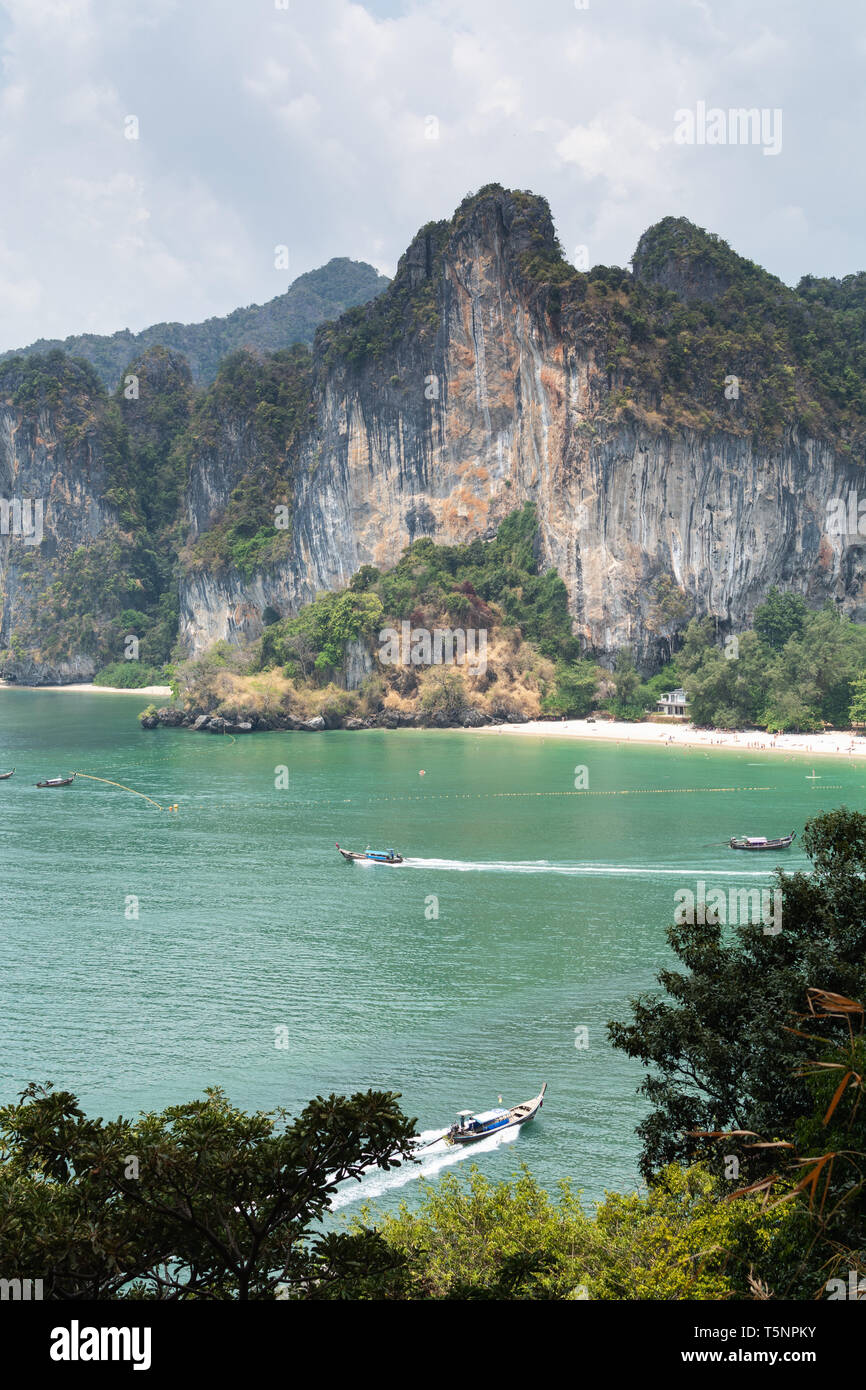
(372, 856)
(470, 1127)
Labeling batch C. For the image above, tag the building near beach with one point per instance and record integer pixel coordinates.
(674, 704)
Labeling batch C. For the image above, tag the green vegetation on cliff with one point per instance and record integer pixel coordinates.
(51, 382)
(410, 307)
(267, 402)
(98, 590)
(796, 670)
(496, 587)
(719, 335)
(696, 337)
(95, 591)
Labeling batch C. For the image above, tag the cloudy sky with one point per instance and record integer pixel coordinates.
(306, 123)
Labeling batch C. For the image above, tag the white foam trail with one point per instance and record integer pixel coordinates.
(542, 866)
(437, 1157)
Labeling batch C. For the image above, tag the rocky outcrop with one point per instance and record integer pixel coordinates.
(30, 672)
(506, 401)
(171, 717)
(359, 664)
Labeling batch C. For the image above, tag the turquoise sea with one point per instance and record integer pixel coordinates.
(525, 911)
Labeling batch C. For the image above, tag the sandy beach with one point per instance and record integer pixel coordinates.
(842, 743)
(162, 691)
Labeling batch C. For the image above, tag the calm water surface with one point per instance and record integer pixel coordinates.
(552, 910)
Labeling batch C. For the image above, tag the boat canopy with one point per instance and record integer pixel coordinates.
(756, 839)
(491, 1115)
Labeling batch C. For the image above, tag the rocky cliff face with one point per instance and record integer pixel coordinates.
(103, 478)
(488, 374)
(53, 480)
(498, 399)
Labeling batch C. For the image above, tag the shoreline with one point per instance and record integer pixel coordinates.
(839, 744)
(88, 688)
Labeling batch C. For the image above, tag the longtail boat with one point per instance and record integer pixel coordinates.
(4, 776)
(57, 781)
(470, 1127)
(761, 841)
(372, 856)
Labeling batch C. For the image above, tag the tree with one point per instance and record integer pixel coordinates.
(443, 692)
(353, 615)
(857, 708)
(809, 680)
(366, 576)
(672, 607)
(199, 1201)
(627, 682)
(825, 1164)
(301, 647)
(723, 692)
(512, 1240)
(780, 616)
(574, 691)
(718, 1045)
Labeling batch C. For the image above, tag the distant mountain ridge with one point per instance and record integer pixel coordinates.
(289, 318)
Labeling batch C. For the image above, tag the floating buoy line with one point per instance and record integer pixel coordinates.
(451, 796)
(91, 778)
(476, 796)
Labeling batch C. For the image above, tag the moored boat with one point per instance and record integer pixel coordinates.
(4, 776)
(761, 841)
(57, 781)
(372, 856)
(471, 1127)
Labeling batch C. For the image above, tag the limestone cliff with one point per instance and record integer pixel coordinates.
(53, 468)
(103, 475)
(682, 426)
(476, 387)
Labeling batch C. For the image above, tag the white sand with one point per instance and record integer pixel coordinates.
(90, 689)
(844, 743)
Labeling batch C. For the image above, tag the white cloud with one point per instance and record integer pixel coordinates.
(306, 126)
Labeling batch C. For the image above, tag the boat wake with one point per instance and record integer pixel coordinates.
(543, 866)
(433, 1159)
